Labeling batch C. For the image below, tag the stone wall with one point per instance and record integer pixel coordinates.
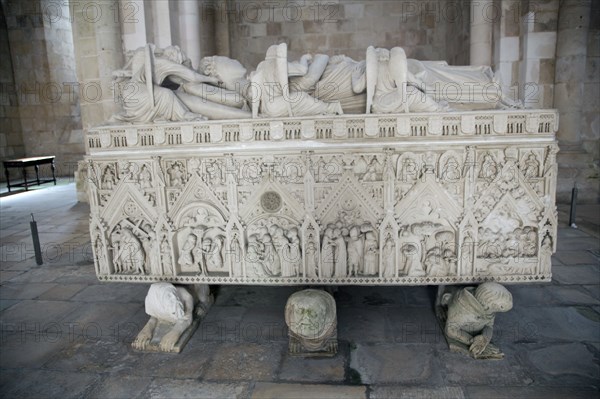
(46, 91)
(349, 27)
(11, 139)
(576, 97)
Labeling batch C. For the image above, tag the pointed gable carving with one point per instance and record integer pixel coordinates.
(346, 190)
(120, 206)
(196, 190)
(290, 207)
(429, 190)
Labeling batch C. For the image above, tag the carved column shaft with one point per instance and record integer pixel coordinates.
(482, 14)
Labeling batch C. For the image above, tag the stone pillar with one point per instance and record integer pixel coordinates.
(507, 47)
(221, 21)
(98, 52)
(189, 30)
(538, 40)
(483, 13)
(133, 24)
(571, 53)
(161, 23)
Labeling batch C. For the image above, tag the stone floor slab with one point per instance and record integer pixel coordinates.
(193, 389)
(190, 363)
(24, 290)
(7, 303)
(301, 369)
(413, 325)
(245, 361)
(354, 322)
(95, 356)
(403, 392)
(62, 292)
(566, 364)
(31, 349)
(113, 293)
(106, 320)
(541, 324)
(36, 315)
(576, 274)
(392, 363)
(577, 257)
(8, 275)
(119, 387)
(264, 324)
(531, 392)
(50, 384)
(295, 391)
(222, 323)
(573, 295)
(460, 370)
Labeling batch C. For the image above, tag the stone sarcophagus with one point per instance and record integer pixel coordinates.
(393, 199)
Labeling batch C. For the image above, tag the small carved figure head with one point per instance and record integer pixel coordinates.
(218, 66)
(310, 313)
(354, 232)
(494, 297)
(174, 53)
(383, 54)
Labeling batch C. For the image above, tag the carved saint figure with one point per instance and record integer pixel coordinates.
(489, 169)
(412, 260)
(109, 179)
(312, 261)
(214, 259)
(101, 256)
(145, 178)
(340, 255)
(167, 262)
(152, 248)
(355, 252)
(254, 252)
(388, 268)
(470, 319)
(280, 242)
(532, 166)
(293, 252)
(131, 256)
(176, 175)
(546, 253)
(186, 259)
(236, 255)
(371, 255)
(327, 253)
(270, 258)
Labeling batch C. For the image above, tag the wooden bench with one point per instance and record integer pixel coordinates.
(23, 163)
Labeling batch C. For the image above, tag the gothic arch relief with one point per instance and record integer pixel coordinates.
(428, 218)
(199, 243)
(507, 238)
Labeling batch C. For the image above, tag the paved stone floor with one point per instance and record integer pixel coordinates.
(64, 334)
